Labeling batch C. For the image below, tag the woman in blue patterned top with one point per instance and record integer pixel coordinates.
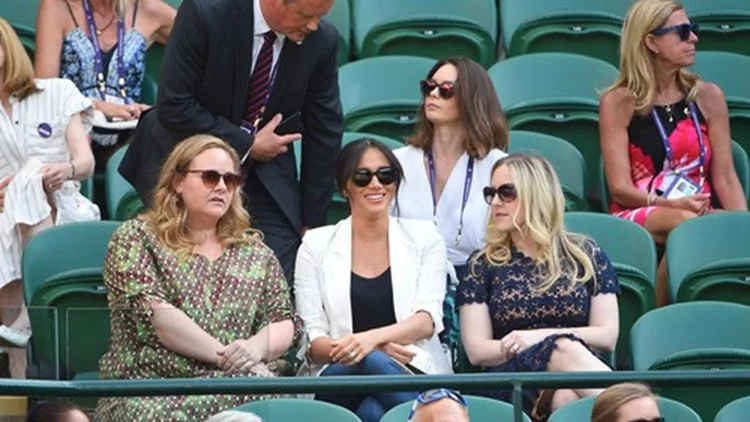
(88, 41)
(536, 297)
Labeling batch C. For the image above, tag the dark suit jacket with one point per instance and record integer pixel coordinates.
(203, 88)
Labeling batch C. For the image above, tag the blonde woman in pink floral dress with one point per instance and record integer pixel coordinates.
(194, 292)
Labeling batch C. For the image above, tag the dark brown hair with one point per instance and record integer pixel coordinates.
(351, 154)
(478, 109)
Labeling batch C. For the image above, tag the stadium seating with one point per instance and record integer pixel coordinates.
(580, 410)
(729, 71)
(694, 335)
(340, 16)
(556, 94)
(481, 409)
(708, 258)
(67, 301)
(293, 410)
(588, 27)
(724, 24)
(633, 254)
(123, 202)
(738, 410)
(381, 95)
(565, 158)
(427, 28)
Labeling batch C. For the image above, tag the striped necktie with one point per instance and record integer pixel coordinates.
(260, 81)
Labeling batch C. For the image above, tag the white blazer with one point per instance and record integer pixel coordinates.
(322, 281)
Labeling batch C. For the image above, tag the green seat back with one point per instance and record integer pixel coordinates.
(68, 257)
(149, 89)
(481, 409)
(87, 188)
(737, 410)
(565, 158)
(729, 71)
(709, 258)
(694, 336)
(28, 39)
(381, 95)
(22, 12)
(340, 17)
(293, 410)
(122, 200)
(580, 411)
(725, 24)
(588, 27)
(631, 250)
(556, 94)
(426, 28)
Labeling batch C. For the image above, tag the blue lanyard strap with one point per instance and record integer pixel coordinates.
(464, 200)
(668, 146)
(101, 82)
(272, 80)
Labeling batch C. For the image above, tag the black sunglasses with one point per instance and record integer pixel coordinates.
(506, 192)
(363, 177)
(659, 419)
(434, 395)
(445, 89)
(683, 30)
(211, 178)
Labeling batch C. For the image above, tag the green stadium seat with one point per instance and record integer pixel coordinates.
(737, 410)
(632, 252)
(481, 409)
(580, 410)
(708, 258)
(729, 71)
(694, 336)
(21, 12)
(556, 94)
(149, 89)
(87, 188)
(426, 28)
(381, 95)
(294, 410)
(340, 17)
(123, 203)
(565, 158)
(724, 24)
(63, 288)
(588, 27)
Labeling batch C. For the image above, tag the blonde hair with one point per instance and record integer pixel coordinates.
(168, 215)
(638, 62)
(607, 405)
(542, 203)
(17, 71)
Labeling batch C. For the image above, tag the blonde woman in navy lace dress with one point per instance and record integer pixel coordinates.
(536, 298)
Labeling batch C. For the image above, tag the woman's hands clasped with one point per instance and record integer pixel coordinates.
(351, 349)
(241, 356)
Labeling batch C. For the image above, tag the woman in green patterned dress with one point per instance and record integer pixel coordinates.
(194, 291)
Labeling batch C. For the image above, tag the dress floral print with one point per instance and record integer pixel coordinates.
(231, 298)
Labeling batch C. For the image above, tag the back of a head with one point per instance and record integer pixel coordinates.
(607, 405)
(234, 416)
(56, 411)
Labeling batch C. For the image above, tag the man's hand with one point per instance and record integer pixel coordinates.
(268, 144)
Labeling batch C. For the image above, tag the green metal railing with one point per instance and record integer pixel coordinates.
(370, 384)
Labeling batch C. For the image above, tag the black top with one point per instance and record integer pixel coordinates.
(372, 302)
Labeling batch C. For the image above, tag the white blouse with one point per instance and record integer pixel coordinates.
(31, 136)
(414, 200)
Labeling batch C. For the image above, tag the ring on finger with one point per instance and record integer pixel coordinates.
(515, 348)
(352, 355)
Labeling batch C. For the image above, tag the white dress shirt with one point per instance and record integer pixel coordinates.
(260, 27)
(415, 200)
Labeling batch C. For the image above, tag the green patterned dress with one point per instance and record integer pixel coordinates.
(231, 298)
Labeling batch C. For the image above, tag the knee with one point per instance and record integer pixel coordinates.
(566, 353)
(680, 216)
(379, 363)
(563, 397)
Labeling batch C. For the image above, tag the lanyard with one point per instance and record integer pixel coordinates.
(101, 82)
(668, 146)
(464, 200)
(256, 121)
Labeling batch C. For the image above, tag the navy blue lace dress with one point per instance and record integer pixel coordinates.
(514, 305)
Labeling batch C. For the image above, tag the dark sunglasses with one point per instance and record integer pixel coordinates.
(445, 89)
(430, 396)
(363, 177)
(506, 192)
(683, 30)
(211, 178)
(659, 419)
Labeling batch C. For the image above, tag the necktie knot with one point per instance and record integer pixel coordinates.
(269, 37)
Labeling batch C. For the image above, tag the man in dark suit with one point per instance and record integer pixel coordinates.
(219, 77)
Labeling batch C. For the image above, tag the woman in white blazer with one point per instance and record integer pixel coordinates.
(460, 135)
(370, 289)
